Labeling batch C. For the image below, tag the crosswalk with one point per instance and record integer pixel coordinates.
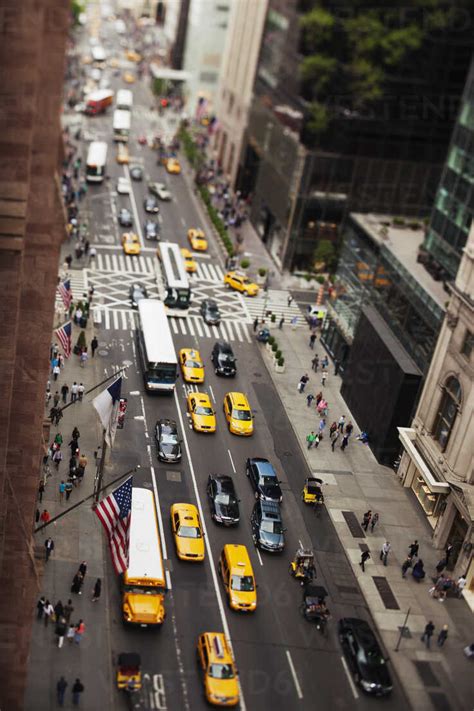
(78, 285)
(124, 263)
(274, 301)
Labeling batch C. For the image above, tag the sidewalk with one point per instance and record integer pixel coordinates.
(355, 483)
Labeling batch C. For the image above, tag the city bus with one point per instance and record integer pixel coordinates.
(124, 100)
(121, 125)
(96, 162)
(176, 291)
(155, 347)
(144, 582)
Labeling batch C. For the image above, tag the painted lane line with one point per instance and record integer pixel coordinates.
(134, 207)
(293, 674)
(212, 394)
(210, 556)
(259, 556)
(232, 462)
(350, 679)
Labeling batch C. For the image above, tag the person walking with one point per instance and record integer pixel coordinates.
(448, 552)
(68, 487)
(255, 325)
(56, 399)
(312, 340)
(341, 422)
(40, 607)
(440, 566)
(302, 383)
(332, 428)
(62, 490)
(317, 440)
(79, 631)
(68, 610)
(289, 300)
(45, 516)
(311, 439)
(77, 583)
(460, 585)
(58, 439)
(386, 548)
(405, 565)
(315, 363)
(84, 358)
(57, 458)
(64, 392)
(334, 439)
(48, 612)
(74, 392)
(374, 521)
(94, 344)
(97, 590)
(77, 690)
(281, 322)
(345, 441)
(336, 366)
(70, 633)
(83, 568)
(428, 633)
(56, 371)
(363, 559)
(413, 549)
(324, 376)
(61, 687)
(443, 636)
(418, 572)
(80, 391)
(309, 399)
(83, 461)
(366, 519)
(349, 428)
(61, 629)
(49, 547)
(322, 425)
(58, 609)
(75, 434)
(319, 397)
(41, 489)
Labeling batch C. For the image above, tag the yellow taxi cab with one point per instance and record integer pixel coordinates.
(238, 579)
(173, 166)
(191, 365)
(187, 532)
(130, 243)
(197, 239)
(132, 56)
(128, 77)
(221, 686)
(189, 262)
(123, 155)
(241, 282)
(203, 417)
(238, 414)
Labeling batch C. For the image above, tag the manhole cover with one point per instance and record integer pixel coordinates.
(102, 352)
(173, 475)
(147, 485)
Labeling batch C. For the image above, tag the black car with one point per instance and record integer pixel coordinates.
(125, 217)
(210, 312)
(267, 527)
(151, 230)
(168, 443)
(151, 205)
(223, 359)
(364, 656)
(136, 173)
(264, 480)
(136, 293)
(223, 501)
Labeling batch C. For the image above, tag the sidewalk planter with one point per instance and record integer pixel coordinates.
(280, 365)
(270, 343)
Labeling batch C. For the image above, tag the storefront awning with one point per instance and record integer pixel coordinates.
(407, 436)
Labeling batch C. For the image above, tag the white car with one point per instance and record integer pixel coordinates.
(160, 190)
(123, 186)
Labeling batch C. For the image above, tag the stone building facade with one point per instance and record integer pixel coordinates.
(32, 53)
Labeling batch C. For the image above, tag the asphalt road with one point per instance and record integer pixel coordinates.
(283, 661)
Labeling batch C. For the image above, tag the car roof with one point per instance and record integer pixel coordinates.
(165, 422)
(270, 510)
(201, 398)
(223, 346)
(210, 302)
(187, 512)
(224, 482)
(263, 466)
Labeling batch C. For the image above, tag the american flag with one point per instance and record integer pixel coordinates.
(64, 290)
(114, 513)
(64, 334)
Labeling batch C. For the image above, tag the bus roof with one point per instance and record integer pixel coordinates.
(173, 265)
(121, 119)
(156, 332)
(97, 154)
(145, 557)
(124, 97)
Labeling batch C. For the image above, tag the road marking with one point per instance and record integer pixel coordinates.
(351, 681)
(210, 556)
(212, 393)
(183, 222)
(258, 555)
(232, 461)
(293, 674)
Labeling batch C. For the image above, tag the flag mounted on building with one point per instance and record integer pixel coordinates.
(64, 334)
(64, 290)
(107, 405)
(114, 513)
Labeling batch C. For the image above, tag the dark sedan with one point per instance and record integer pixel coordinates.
(364, 656)
(125, 217)
(223, 501)
(210, 312)
(151, 230)
(151, 205)
(136, 172)
(168, 443)
(223, 359)
(264, 480)
(136, 293)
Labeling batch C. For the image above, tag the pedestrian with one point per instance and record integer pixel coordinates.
(68, 610)
(75, 434)
(77, 690)
(77, 584)
(80, 391)
(56, 399)
(428, 633)
(74, 392)
(310, 439)
(40, 607)
(418, 572)
(319, 397)
(349, 428)
(97, 590)
(45, 516)
(440, 566)
(83, 568)
(312, 340)
(336, 366)
(460, 585)
(309, 399)
(332, 428)
(58, 609)
(322, 425)
(56, 371)
(281, 322)
(405, 565)
(345, 442)
(302, 384)
(80, 471)
(84, 357)
(92, 254)
(61, 687)
(334, 439)
(48, 612)
(325, 362)
(57, 458)
(64, 392)
(49, 547)
(289, 300)
(79, 631)
(384, 552)
(68, 486)
(448, 552)
(62, 490)
(366, 519)
(317, 440)
(74, 446)
(94, 344)
(61, 629)
(58, 439)
(315, 363)
(70, 633)
(443, 636)
(341, 422)
(363, 559)
(324, 376)
(374, 521)
(413, 549)
(41, 489)
(83, 461)
(37, 516)
(255, 324)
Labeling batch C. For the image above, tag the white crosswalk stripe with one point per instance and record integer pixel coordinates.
(124, 263)
(78, 285)
(274, 301)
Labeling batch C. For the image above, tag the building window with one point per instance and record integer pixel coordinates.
(447, 411)
(467, 344)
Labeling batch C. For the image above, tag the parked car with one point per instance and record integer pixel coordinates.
(364, 656)
(125, 217)
(223, 359)
(223, 500)
(264, 480)
(168, 443)
(267, 526)
(210, 312)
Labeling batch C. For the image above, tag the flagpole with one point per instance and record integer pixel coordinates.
(114, 375)
(100, 469)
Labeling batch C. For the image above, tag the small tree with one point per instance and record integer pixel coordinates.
(325, 253)
(81, 341)
(245, 263)
(262, 271)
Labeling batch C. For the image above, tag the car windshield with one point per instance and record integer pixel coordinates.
(200, 410)
(193, 364)
(241, 414)
(225, 499)
(242, 583)
(189, 532)
(221, 671)
(370, 657)
(272, 527)
(169, 438)
(212, 308)
(267, 480)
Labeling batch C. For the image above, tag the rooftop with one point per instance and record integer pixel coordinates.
(403, 243)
